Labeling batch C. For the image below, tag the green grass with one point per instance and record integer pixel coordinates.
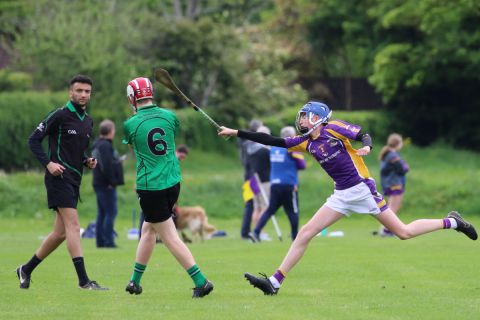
(355, 277)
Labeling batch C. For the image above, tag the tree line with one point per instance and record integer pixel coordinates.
(243, 58)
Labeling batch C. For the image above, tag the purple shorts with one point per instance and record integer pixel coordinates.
(394, 190)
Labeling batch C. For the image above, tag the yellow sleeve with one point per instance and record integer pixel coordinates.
(337, 135)
(302, 147)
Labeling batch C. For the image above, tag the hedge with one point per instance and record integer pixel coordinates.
(20, 113)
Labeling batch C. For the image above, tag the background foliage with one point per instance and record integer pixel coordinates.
(17, 123)
(428, 72)
(245, 58)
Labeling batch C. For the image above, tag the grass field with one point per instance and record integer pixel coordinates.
(355, 277)
(440, 179)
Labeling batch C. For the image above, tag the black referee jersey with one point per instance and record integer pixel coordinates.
(69, 130)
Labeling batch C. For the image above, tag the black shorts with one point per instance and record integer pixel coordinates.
(157, 206)
(61, 193)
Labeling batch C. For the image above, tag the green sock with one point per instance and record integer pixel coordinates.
(197, 276)
(138, 271)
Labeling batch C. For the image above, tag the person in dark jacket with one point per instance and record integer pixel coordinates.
(243, 146)
(107, 175)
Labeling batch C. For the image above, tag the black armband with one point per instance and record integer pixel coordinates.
(366, 139)
(262, 138)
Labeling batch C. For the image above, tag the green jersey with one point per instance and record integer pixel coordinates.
(151, 132)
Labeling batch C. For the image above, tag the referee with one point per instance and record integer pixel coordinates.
(69, 129)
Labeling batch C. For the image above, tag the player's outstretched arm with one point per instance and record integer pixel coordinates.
(227, 132)
(259, 137)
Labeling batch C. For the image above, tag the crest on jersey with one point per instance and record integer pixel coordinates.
(41, 126)
(332, 142)
(322, 149)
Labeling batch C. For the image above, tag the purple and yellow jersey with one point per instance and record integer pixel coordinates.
(334, 152)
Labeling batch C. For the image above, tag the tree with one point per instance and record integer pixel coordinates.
(431, 80)
(343, 37)
(85, 39)
(227, 68)
(230, 12)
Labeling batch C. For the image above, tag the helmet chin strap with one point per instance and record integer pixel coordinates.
(134, 107)
(315, 126)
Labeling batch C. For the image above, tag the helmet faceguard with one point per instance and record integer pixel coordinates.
(308, 111)
(139, 89)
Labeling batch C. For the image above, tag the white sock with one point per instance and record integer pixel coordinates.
(453, 223)
(274, 282)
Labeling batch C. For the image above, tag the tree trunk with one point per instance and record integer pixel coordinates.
(178, 9)
(348, 82)
(211, 84)
(192, 9)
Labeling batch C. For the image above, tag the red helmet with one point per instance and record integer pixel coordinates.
(138, 89)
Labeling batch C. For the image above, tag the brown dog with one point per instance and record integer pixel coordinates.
(194, 219)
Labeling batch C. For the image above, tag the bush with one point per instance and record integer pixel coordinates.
(14, 80)
(20, 113)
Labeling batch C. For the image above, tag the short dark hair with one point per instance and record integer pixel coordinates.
(106, 126)
(182, 148)
(82, 79)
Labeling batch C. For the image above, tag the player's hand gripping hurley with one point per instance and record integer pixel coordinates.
(162, 76)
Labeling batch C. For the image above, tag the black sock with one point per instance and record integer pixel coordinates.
(31, 265)
(81, 272)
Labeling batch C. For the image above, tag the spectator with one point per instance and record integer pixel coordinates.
(284, 166)
(181, 152)
(258, 159)
(107, 175)
(392, 175)
(243, 145)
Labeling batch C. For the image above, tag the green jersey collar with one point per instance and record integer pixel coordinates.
(71, 108)
(147, 107)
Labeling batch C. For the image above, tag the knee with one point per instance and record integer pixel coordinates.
(404, 234)
(148, 233)
(72, 225)
(171, 243)
(59, 236)
(305, 234)
(74, 228)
